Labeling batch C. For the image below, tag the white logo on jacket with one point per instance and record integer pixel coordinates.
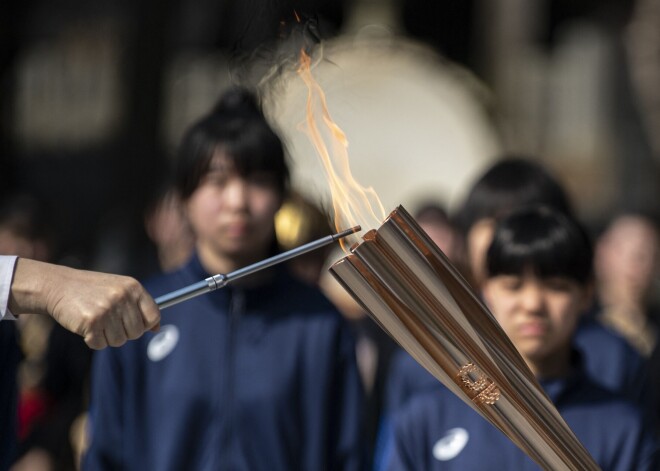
(451, 444)
(163, 342)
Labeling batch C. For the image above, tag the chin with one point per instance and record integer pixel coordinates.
(534, 349)
(239, 252)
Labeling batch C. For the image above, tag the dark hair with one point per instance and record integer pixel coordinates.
(508, 185)
(544, 241)
(238, 126)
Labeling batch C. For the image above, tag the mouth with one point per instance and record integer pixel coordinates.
(532, 329)
(237, 229)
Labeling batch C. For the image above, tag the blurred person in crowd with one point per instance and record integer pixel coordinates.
(102, 308)
(626, 265)
(433, 218)
(298, 222)
(513, 183)
(538, 283)
(24, 233)
(374, 351)
(62, 393)
(166, 226)
(258, 375)
(24, 230)
(47, 360)
(510, 184)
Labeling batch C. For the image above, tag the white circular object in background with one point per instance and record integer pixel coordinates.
(415, 124)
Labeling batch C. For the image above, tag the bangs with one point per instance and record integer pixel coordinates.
(255, 149)
(249, 144)
(542, 241)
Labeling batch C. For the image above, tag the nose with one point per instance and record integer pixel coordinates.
(236, 194)
(532, 298)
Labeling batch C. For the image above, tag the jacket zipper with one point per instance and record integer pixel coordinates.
(236, 308)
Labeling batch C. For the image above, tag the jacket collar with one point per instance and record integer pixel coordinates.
(557, 388)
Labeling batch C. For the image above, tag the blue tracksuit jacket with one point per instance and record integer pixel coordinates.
(263, 379)
(437, 431)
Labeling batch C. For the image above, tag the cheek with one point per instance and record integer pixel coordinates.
(201, 207)
(565, 315)
(264, 204)
(503, 313)
(500, 306)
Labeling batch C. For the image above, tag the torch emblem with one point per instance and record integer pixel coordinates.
(479, 387)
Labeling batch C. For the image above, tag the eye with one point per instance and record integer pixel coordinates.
(217, 179)
(511, 283)
(562, 285)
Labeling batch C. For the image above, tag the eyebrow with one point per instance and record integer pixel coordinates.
(215, 166)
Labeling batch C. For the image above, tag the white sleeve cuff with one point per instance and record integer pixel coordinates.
(7, 263)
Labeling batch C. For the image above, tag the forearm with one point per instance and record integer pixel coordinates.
(31, 286)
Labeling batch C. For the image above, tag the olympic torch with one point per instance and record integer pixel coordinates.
(408, 286)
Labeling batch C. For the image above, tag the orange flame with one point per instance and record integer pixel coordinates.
(352, 203)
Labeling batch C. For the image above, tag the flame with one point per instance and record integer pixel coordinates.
(353, 204)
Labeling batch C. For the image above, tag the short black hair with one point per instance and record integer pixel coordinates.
(510, 184)
(543, 240)
(238, 126)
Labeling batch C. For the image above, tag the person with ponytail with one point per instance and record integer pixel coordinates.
(260, 375)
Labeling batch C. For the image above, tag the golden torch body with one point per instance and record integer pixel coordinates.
(408, 286)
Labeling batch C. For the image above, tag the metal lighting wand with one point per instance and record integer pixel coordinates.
(219, 281)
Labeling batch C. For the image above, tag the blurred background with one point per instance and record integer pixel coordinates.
(95, 95)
